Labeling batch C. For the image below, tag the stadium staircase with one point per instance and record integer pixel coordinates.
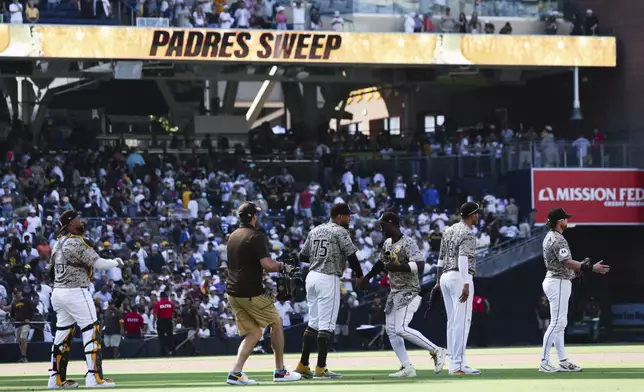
(504, 257)
(66, 14)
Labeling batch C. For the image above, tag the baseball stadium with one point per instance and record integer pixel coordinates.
(312, 194)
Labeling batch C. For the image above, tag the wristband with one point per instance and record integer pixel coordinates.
(586, 267)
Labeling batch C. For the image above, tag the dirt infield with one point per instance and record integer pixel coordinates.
(371, 360)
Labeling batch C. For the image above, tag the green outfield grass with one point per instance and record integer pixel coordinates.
(501, 373)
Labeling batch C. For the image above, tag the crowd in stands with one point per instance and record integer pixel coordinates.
(169, 219)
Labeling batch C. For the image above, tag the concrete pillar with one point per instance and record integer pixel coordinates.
(230, 96)
(294, 102)
(408, 122)
(312, 115)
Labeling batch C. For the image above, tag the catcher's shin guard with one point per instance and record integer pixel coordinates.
(93, 355)
(60, 354)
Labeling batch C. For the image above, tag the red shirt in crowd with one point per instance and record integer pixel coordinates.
(133, 324)
(478, 304)
(306, 199)
(163, 309)
(384, 282)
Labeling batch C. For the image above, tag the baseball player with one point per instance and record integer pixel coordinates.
(557, 286)
(327, 248)
(72, 263)
(402, 258)
(456, 268)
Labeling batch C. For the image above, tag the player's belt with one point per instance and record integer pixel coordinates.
(471, 271)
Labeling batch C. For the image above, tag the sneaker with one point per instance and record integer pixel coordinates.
(67, 384)
(326, 374)
(404, 372)
(23, 360)
(285, 376)
(466, 370)
(439, 357)
(546, 367)
(567, 366)
(239, 378)
(304, 371)
(92, 382)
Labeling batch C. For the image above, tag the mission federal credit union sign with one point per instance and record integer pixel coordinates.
(272, 46)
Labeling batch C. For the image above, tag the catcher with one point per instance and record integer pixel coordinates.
(73, 261)
(402, 258)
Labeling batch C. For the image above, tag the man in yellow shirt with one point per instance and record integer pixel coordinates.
(185, 197)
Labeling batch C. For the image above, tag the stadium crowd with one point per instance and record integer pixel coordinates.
(170, 218)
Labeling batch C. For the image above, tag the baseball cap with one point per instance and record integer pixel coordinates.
(66, 218)
(469, 209)
(247, 210)
(390, 217)
(558, 214)
(340, 209)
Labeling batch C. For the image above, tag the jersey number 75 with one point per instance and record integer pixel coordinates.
(320, 249)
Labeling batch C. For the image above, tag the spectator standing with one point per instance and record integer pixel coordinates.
(22, 311)
(299, 16)
(337, 23)
(462, 23)
(134, 324)
(506, 29)
(242, 16)
(15, 10)
(592, 23)
(314, 19)
(32, 13)
(598, 141)
(342, 325)
(225, 19)
(113, 328)
(448, 23)
(230, 327)
(581, 146)
(480, 311)
(164, 312)
(280, 18)
(409, 23)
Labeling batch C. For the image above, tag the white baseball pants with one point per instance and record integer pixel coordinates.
(323, 299)
(398, 330)
(558, 292)
(73, 306)
(459, 317)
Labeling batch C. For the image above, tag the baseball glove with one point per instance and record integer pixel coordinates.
(586, 266)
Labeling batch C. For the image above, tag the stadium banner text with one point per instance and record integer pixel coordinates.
(627, 315)
(592, 196)
(139, 43)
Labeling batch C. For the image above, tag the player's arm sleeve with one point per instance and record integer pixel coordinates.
(466, 254)
(306, 249)
(355, 265)
(375, 270)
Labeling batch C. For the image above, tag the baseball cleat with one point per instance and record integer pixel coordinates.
(305, 371)
(67, 384)
(92, 382)
(404, 372)
(466, 370)
(285, 376)
(546, 367)
(567, 366)
(439, 357)
(326, 374)
(239, 378)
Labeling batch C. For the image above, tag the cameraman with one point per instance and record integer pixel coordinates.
(254, 309)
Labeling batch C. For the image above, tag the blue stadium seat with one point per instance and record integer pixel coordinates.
(69, 15)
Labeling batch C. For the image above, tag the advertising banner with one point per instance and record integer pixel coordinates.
(628, 315)
(272, 46)
(592, 196)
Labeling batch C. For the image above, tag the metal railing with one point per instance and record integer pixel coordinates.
(513, 255)
(486, 8)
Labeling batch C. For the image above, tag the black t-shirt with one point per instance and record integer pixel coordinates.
(112, 322)
(377, 314)
(189, 318)
(246, 247)
(343, 313)
(21, 310)
(155, 263)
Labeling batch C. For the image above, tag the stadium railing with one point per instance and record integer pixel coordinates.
(512, 255)
(487, 8)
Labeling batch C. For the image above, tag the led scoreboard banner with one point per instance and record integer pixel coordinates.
(273, 46)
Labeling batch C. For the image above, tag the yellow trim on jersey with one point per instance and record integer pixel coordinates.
(82, 240)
